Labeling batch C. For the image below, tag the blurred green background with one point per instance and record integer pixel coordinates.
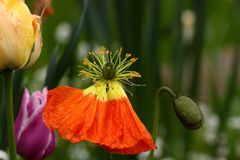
(191, 46)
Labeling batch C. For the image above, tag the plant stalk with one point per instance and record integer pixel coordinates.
(9, 112)
(156, 114)
(110, 156)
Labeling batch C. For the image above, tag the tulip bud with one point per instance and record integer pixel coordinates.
(20, 38)
(188, 112)
(34, 140)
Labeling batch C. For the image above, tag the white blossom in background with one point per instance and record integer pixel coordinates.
(211, 124)
(222, 148)
(40, 74)
(188, 23)
(79, 152)
(3, 155)
(234, 122)
(63, 32)
(38, 78)
(199, 156)
(157, 152)
(82, 50)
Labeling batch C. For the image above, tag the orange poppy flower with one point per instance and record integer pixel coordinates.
(102, 113)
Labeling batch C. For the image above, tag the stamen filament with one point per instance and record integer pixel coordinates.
(97, 69)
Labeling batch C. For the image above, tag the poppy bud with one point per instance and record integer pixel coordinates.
(34, 139)
(188, 112)
(20, 42)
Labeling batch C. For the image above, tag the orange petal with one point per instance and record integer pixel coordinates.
(134, 138)
(111, 124)
(53, 114)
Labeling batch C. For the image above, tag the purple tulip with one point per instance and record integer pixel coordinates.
(34, 140)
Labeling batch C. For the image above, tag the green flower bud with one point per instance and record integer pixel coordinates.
(188, 112)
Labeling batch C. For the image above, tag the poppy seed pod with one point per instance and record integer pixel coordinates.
(188, 112)
(109, 71)
(20, 42)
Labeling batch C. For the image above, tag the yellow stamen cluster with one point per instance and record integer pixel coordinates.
(94, 69)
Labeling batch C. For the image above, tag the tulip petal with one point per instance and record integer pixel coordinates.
(49, 148)
(23, 113)
(34, 139)
(37, 48)
(9, 38)
(36, 101)
(18, 34)
(34, 135)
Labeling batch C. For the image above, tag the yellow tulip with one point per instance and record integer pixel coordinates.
(20, 36)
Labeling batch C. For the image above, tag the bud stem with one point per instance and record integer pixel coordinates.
(156, 113)
(9, 111)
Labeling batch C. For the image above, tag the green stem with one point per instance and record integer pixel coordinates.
(156, 114)
(110, 156)
(9, 112)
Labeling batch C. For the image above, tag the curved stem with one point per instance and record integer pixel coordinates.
(156, 113)
(9, 112)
